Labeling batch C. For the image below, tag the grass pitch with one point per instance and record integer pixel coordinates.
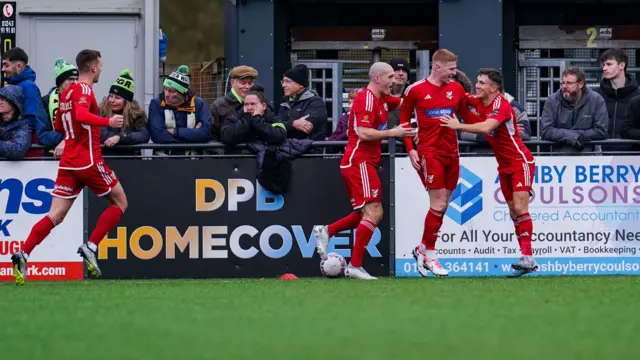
(528, 318)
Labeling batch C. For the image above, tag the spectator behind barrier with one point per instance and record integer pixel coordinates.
(66, 74)
(401, 69)
(631, 124)
(178, 115)
(304, 113)
(254, 122)
(15, 66)
(242, 79)
(617, 88)
(15, 134)
(340, 133)
(574, 115)
(120, 102)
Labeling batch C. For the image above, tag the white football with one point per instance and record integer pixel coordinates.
(333, 266)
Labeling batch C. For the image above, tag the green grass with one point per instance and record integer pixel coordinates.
(516, 319)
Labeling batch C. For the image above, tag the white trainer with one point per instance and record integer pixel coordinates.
(358, 273)
(322, 240)
(434, 266)
(420, 260)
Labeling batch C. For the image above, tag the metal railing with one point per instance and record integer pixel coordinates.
(464, 146)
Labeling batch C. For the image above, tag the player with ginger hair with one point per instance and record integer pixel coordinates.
(436, 159)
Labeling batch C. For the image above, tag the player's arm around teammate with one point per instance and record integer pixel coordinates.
(367, 127)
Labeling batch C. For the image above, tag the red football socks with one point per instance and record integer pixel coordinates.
(107, 221)
(346, 223)
(524, 229)
(39, 232)
(432, 224)
(363, 236)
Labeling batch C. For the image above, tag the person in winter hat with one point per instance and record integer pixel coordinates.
(178, 115)
(121, 102)
(66, 74)
(15, 134)
(15, 65)
(304, 113)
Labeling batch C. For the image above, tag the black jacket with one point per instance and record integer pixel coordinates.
(307, 103)
(138, 135)
(631, 124)
(617, 101)
(242, 127)
(274, 162)
(221, 109)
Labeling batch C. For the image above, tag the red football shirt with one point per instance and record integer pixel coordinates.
(78, 121)
(366, 111)
(508, 148)
(429, 102)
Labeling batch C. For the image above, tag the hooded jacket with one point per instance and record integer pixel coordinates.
(307, 103)
(631, 125)
(15, 134)
(617, 101)
(574, 126)
(34, 113)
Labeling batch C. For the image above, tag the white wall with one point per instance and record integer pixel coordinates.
(91, 24)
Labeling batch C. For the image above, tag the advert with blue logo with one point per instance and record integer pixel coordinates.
(25, 197)
(585, 212)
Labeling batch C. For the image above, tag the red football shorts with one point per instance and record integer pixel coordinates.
(98, 178)
(363, 184)
(516, 178)
(438, 171)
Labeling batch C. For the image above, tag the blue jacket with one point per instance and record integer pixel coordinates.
(182, 134)
(34, 114)
(15, 135)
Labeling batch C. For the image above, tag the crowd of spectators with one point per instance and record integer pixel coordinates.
(572, 117)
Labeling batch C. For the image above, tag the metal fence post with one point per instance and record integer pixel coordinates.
(392, 205)
(85, 224)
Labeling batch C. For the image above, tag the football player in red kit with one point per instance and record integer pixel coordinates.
(367, 128)
(516, 165)
(436, 160)
(81, 165)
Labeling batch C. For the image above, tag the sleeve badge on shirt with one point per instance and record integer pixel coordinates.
(365, 119)
(449, 95)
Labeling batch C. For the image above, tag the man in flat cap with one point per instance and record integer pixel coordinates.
(242, 78)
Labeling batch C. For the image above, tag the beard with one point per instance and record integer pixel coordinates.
(571, 96)
(397, 88)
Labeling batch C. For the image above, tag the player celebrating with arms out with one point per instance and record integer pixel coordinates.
(81, 164)
(367, 121)
(516, 165)
(436, 160)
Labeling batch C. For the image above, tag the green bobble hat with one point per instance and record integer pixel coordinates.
(179, 80)
(124, 86)
(63, 71)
